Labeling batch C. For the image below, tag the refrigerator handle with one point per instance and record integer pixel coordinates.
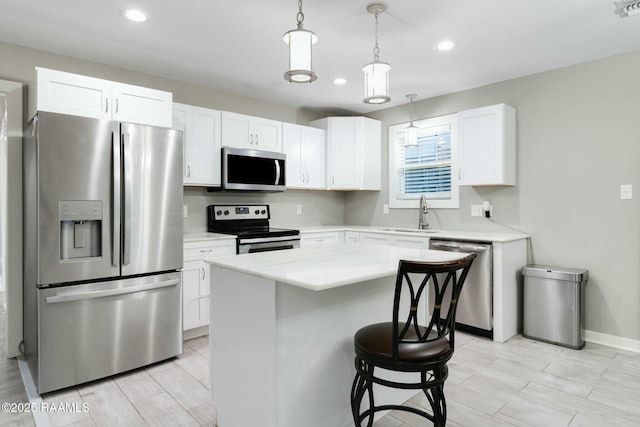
(128, 171)
(79, 296)
(116, 173)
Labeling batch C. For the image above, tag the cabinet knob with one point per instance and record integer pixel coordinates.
(106, 105)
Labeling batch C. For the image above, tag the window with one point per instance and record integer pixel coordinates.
(426, 168)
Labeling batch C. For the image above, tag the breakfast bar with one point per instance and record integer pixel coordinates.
(282, 326)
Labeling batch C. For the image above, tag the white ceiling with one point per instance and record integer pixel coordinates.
(237, 45)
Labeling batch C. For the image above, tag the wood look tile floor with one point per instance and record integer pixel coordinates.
(519, 383)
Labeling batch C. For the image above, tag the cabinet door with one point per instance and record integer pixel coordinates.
(267, 135)
(352, 237)
(292, 147)
(181, 115)
(313, 163)
(344, 157)
(194, 295)
(141, 105)
(205, 147)
(411, 242)
(321, 238)
(67, 93)
(376, 239)
(236, 130)
(487, 146)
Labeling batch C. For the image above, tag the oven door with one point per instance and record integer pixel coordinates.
(266, 244)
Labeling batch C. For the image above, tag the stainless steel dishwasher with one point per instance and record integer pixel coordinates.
(475, 305)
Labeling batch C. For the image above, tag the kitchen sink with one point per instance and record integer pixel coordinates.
(408, 230)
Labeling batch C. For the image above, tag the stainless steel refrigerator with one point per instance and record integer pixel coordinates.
(102, 248)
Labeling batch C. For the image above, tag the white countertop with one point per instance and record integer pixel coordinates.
(476, 236)
(326, 267)
(206, 237)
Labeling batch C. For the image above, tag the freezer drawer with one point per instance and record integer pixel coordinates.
(92, 331)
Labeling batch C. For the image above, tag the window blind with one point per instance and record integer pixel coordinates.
(425, 168)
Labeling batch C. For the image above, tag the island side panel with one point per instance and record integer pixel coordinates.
(242, 338)
(316, 353)
(508, 259)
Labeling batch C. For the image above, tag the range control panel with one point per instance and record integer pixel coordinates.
(233, 212)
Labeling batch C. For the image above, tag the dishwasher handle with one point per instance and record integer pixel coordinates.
(454, 246)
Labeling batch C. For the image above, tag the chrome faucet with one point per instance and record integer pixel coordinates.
(422, 214)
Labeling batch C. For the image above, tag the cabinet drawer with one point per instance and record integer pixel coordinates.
(201, 251)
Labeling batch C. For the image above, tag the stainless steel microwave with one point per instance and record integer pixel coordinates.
(252, 170)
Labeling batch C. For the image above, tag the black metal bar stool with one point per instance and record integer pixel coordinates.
(405, 345)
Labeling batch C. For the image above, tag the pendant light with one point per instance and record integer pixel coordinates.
(376, 74)
(300, 42)
(411, 131)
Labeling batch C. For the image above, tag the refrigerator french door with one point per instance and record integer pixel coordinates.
(103, 248)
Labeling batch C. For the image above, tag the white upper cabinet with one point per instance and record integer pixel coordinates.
(305, 165)
(487, 146)
(354, 158)
(242, 131)
(67, 93)
(201, 130)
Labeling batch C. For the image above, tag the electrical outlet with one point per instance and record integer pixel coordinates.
(185, 211)
(626, 192)
(476, 210)
(299, 209)
(385, 209)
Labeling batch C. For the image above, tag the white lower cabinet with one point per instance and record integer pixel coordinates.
(195, 281)
(351, 237)
(402, 241)
(321, 238)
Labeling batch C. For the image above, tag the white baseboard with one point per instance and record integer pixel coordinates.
(612, 341)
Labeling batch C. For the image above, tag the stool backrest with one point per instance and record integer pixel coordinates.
(446, 279)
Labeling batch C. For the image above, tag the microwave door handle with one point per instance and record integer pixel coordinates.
(128, 171)
(277, 172)
(115, 214)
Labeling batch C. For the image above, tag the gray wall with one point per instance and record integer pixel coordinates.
(578, 140)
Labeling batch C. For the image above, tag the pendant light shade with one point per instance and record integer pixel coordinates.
(411, 131)
(300, 43)
(376, 74)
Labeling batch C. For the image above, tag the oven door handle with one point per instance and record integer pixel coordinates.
(267, 239)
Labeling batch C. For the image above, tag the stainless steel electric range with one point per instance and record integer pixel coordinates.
(250, 223)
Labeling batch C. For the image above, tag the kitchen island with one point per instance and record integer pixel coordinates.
(282, 326)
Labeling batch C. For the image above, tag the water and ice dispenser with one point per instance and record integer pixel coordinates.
(80, 229)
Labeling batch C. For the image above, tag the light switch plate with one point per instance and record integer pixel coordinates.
(626, 192)
(385, 209)
(299, 209)
(185, 211)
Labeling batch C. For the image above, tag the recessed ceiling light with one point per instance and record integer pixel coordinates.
(445, 45)
(133, 15)
(339, 81)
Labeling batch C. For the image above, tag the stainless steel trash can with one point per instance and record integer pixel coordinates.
(553, 306)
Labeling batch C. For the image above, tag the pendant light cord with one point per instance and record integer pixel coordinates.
(300, 15)
(376, 50)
